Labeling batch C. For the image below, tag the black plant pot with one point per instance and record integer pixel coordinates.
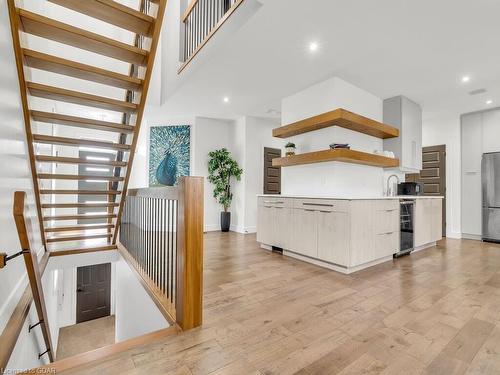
(225, 221)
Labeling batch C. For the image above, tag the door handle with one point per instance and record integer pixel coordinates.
(79, 290)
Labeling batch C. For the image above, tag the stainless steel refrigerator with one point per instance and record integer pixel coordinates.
(490, 172)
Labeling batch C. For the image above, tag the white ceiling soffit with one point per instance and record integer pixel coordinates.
(420, 49)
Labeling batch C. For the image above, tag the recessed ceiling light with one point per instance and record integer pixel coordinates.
(465, 79)
(313, 46)
(489, 101)
(225, 99)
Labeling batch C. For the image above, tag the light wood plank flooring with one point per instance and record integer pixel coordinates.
(434, 312)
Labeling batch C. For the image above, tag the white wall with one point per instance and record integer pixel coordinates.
(258, 135)
(332, 178)
(28, 345)
(245, 138)
(208, 135)
(445, 129)
(136, 313)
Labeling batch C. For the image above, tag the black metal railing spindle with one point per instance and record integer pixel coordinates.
(148, 232)
(202, 18)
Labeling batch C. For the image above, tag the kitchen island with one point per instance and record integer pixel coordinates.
(344, 234)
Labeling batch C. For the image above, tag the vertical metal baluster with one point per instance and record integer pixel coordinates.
(157, 247)
(201, 5)
(174, 248)
(195, 21)
(152, 240)
(165, 246)
(141, 232)
(192, 33)
(134, 228)
(199, 25)
(168, 247)
(206, 18)
(152, 232)
(150, 237)
(160, 239)
(145, 231)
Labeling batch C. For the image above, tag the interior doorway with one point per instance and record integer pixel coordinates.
(433, 175)
(272, 175)
(93, 297)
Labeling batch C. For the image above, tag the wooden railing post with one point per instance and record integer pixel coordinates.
(32, 267)
(189, 285)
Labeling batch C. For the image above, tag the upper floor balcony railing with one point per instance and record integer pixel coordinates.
(201, 20)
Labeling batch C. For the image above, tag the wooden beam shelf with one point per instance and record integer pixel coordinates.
(339, 117)
(341, 155)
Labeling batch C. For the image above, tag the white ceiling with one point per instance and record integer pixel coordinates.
(418, 48)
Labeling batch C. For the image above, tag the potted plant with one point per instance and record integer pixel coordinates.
(290, 149)
(221, 167)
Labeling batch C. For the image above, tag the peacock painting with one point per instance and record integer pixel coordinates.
(169, 154)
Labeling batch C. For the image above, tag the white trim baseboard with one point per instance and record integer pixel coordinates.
(211, 228)
(469, 236)
(455, 235)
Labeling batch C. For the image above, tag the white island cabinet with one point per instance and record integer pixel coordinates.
(345, 235)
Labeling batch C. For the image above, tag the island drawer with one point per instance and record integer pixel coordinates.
(275, 202)
(322, 204)
(386, 205)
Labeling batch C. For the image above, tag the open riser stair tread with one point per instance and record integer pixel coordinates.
(75, 97)
(55, 239)
(79, 250)
(79, 217)
(68, 160)
(54, 176)
(54, 118)
(54, 64)
(112, 12)
(80, 192)
(36, 24)
(79, 205)
(64, 141)
(120, 147)
(76, 228)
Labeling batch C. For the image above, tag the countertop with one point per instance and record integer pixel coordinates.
(351, 198)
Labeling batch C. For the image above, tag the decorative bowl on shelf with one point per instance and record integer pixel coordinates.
(336, 146)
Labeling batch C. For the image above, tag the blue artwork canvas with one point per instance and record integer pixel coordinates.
(169, 154)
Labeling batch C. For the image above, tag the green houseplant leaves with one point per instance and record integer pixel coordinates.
(221, 167)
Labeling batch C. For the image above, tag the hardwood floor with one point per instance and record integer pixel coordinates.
(434, 312)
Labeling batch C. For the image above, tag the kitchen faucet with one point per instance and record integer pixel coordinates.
(390, 192)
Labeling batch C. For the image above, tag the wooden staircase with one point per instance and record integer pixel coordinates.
(66, 219)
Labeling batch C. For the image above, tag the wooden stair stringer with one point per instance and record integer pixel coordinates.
(141, 107)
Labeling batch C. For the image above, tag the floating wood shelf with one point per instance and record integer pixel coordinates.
(339, 117)
(342, 155)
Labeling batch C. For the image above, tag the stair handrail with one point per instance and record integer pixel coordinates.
(32, 293)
